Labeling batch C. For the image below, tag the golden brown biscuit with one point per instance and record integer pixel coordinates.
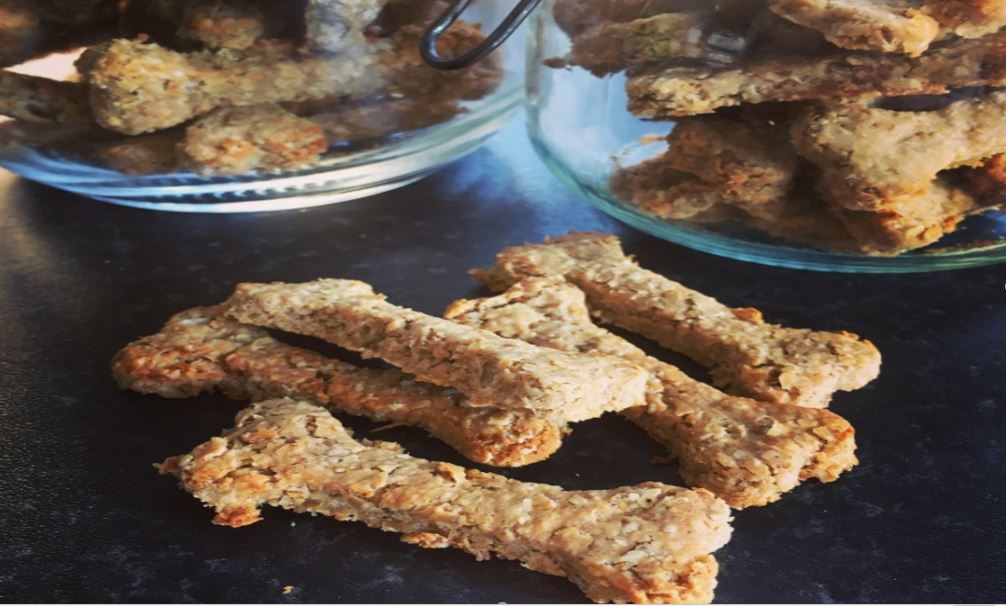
(489, 370)
(871, 158)
(890, 26)
(645, 543)
(686, 91)
(199, 351)
(744, 353)
(256, 138)
(746, 452)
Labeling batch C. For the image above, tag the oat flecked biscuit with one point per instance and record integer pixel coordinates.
(611, 47)
(489, 370)
(890, 26)
(240, 140)
(35, 99)
(764, 361)
(686, 91)
(913, 222)
(645, 543)
(871, 157)
(137, 88)
(199, 351)
(751, 163)
(746, 452)
(655, 188)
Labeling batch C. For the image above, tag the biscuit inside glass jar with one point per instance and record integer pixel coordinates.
(328, 77)
(813, 125)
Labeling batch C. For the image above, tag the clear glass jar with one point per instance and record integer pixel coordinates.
(244, 105)
(828, 136)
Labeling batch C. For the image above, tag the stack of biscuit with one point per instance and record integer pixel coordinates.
(234, 86)
(863, 126)
(502, 380)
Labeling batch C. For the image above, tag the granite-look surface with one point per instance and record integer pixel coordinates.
(83, 516)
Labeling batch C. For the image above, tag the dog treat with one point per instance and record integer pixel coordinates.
(872, 157)
(765, 361)
(746, 452)
(577, 16)
(152, 154)
(752, 164)
(490, 370)
(612, 47)
(890, 26)
(235, 24)
(137, 88)
(34, 99)
(199, 351)
(685, 91)
(239, 140)
(655, 188)
(645, 543)
(969, 18)
(910, 223)
(332, 25)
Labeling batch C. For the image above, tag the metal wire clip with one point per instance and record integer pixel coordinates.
(428, 47)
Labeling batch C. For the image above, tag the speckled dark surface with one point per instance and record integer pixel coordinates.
(83, 516)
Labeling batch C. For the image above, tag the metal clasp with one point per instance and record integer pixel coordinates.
(428, 47)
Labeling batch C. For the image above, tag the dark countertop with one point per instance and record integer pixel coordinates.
(84, 517)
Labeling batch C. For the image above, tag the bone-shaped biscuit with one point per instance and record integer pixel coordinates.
(240, 140)
(890, 26)
(489, 370)
(655, 188)
(611, 47)
(645, 543)
(34, 99)
(872, 157)
(137, 88)
(199, 351)
(910, 223)
(686, 91)
(765, 361)
(746, 452)
(751, 163)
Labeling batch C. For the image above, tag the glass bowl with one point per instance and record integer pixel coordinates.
(729, 180)
(70, 158)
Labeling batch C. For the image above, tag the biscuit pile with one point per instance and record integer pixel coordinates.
(863, 126)
(233, 86)
(502, 380)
